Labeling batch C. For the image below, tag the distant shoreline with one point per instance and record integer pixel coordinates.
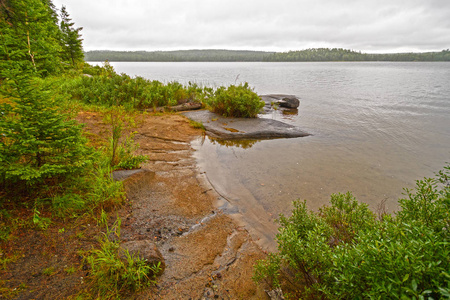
(309, 55)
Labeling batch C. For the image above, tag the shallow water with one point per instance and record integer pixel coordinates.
(377, 127)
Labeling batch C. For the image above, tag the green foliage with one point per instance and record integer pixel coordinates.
(71, 41)
(49, 271)
(40, 222)
(38, 141)
(113, 275)
(67, 204)
(236, 101)
(121, 151)
(110, 89)
(344, 252)
(347, 217)
(125, 157)
(99, 188)
(197, 125)
(30, 36)
(107, 88)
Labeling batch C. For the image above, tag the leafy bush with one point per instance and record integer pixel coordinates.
(344, 252)
(236, 101)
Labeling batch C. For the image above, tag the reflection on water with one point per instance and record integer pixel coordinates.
(290, 112)
(244, 144)
(262, 181)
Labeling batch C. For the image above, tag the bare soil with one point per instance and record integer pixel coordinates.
(207, 255)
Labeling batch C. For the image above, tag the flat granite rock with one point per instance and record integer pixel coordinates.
(243, 128)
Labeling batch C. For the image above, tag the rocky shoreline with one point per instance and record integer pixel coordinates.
(206, 254)
(221, 127)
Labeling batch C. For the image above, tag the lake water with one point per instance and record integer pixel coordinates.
(377, 127)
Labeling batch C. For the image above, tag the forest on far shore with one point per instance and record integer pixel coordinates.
(316, 54)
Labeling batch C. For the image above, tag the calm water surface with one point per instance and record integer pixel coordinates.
(376, 128)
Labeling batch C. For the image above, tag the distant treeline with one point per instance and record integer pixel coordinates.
(324, 54)
(181, 55)
(319, 54)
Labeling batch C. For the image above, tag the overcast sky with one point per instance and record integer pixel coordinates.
(373, 26)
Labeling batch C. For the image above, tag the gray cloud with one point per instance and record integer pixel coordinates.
(366, 25)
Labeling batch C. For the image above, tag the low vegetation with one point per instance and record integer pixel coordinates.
(105, 87)
(236, 101)
(345, 252)
(113, 275)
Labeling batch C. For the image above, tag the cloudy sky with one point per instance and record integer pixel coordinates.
(373, 26)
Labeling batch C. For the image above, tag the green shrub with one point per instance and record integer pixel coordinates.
(236, 101)
(105, 87)
(113, 276)
(344, 252)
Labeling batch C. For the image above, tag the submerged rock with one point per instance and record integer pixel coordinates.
(220, 127)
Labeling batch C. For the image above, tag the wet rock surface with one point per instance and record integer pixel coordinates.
(206, 254)
(287, 101)
(220, 127)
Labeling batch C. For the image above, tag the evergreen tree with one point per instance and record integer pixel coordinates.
(71, 39)
(38, 141)
(29, 32)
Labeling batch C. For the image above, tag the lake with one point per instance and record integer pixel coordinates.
(376, 128)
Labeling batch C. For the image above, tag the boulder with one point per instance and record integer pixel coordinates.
(289, 102)
(144, 249)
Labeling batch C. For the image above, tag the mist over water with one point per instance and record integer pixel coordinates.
(377, 127)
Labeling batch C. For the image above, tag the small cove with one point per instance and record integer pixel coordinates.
(376, 128)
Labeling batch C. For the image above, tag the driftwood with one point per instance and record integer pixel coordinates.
(182, 107)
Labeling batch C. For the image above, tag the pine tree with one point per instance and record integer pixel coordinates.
(71, 39)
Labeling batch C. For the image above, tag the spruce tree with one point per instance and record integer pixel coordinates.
(71, 39)
(38, 142)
